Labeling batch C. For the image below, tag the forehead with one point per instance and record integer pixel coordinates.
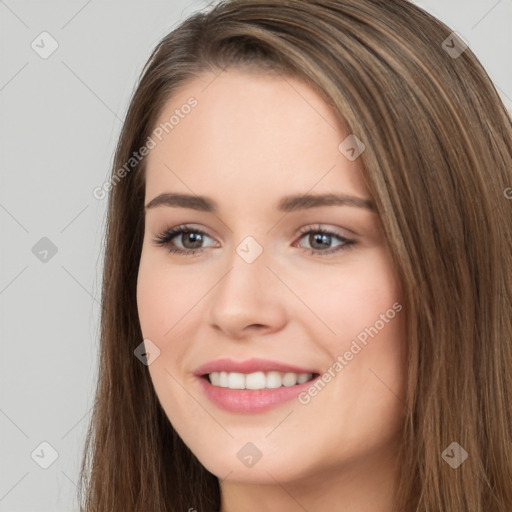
(249, 133)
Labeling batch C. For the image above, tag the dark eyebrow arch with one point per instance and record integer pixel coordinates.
(303, 202)
(286, 204)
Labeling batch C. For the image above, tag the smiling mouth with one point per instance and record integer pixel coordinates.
(257, 380)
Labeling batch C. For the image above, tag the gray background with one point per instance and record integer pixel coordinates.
(60, 118)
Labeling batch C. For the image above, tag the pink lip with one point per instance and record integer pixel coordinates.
(245, 400)
(249, 366)
(251, 401)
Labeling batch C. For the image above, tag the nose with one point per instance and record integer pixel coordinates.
(248, 300)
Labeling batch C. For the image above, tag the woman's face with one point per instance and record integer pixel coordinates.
(310, 322)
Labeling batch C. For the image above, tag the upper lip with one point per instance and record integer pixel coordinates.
(248, 366)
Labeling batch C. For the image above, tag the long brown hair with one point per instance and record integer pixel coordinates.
(438, 164)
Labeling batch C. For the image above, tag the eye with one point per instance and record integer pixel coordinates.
(192, 239)
(318, 238)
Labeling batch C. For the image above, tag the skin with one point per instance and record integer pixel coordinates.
(252, 139)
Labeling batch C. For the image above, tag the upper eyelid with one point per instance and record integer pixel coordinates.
(301, 231)
(183, 228)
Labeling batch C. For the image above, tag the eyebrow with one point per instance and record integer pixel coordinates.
(286, 204)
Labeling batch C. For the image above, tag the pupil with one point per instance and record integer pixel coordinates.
(322, 238)
(193, 237)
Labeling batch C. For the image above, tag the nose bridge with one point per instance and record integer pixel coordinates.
(250, 250)
(248, 275)
(247, 294)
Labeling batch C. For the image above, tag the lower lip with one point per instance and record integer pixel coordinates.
(251, 401)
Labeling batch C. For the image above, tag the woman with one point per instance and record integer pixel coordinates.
(307, 291)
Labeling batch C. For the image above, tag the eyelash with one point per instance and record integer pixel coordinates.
(165, 238)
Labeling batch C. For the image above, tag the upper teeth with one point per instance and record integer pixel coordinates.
(257, 380)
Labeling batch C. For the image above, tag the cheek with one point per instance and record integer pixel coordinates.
(352, 298)
(151, 300)
(162, 299)
(363, 308)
